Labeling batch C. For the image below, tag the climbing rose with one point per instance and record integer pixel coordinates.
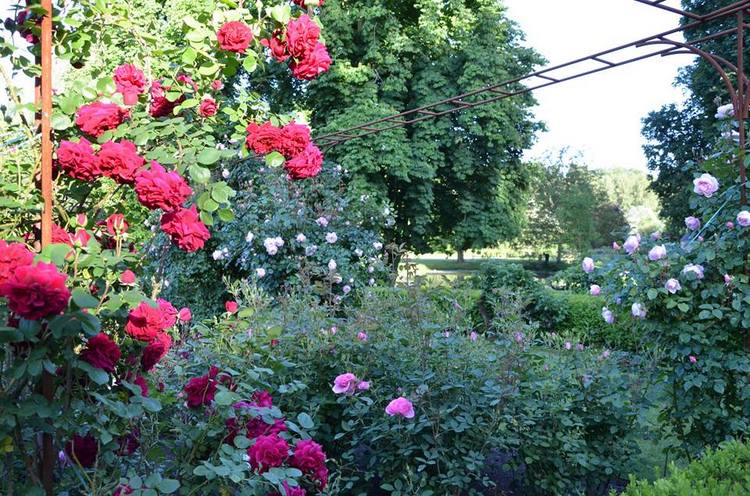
(316, 62)
(693, 269)
(262, 139)
(168, 311)
(185, 228)
(276, 46)
(657, 253)
(672, 285)
(595, 290)
(293, 140)
(292, 491)
(78, 160)
(36, 291)
(159, 105)
(155, 351)
(120, 161)
(608, 316)
(631, 244)
(268, 452)
(728, 279)
(116, 224)
(308, 456)
(145, 322)
(692, 223)
(588, 265)
(706, 185)
(207, 107)
(82, 449)
(97, 117)
(217, 85)
(305, 165)
(345, 383)
(234, 36)
(184, 314)
(201, 390)
(400, 406)
(157, 188)
(743, 218)
(638, 311)
(12, 256)
(101, 352)
(724, 111)
(61, 236)
(231, 306)
(301, 36)
(131, 82)
(127, 277)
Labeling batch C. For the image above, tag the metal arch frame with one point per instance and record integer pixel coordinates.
(547, 77)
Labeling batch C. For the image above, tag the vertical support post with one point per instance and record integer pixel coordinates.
(741, 110)
(47, 465)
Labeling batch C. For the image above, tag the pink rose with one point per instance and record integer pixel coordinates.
(588, 265)
(743, 218)
(96, 118)
(131, 82)
(345, 383)
(127, 277)
(78, 160)
(184, 314)
(234, 36)
(706, 185)
(595, 290)
(400, 406)
(231, 306)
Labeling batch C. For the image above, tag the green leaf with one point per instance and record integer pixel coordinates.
(189, 55)
(226, 215)
(280, 13)
(250, 63)
(224, 398)
(208, 156)
(274, 159)
(652, 294)
(209, 70)
(168, 486)
(83, 298)
(305, 420)
(97, 375)
(199, 174)
(61, 121)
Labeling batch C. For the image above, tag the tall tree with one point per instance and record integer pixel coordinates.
(456, 181)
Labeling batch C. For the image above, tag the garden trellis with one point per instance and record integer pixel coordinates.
(660, 44)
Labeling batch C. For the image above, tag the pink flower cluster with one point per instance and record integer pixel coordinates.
(349, 384)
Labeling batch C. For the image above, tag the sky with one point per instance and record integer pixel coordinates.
(598, 115)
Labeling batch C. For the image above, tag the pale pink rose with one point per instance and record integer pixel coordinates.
(595, 290)
(473, 336)
(345, 383)
(657, 253)
(692, 359)
(588, 265)
(362, 336)
(400, 406)
(672, 286)
(728, 279)
(615, 246)
(631, 244)
(743, 218)
(706, 185)
(363, 386)
(692, 223)
(638, 311)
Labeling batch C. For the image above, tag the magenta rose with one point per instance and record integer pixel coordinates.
(185, 228)
(268, 452)
(131, 82)
(36, 291)
(400, 406)
(308, 456)
(157, 188)
(101, 352)
(97, 117)
(234, 36)
(78, 160)
(13, 256)
(120, 161)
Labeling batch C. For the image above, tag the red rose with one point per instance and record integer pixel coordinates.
(217, 85)
(263, 399)
(234, 36)
(81, 238)
(97, 117)
(185, 228)
(131, 82)
(159, 105)
(36, 291)
(184, 314)
(155, 351)
(313, 64)
(122, 490)
(140, 381)
(308, 456)
(131, 441)
(301, 3)
(258, 427)
(120, 161)
(262, 139)
(78, 160)
(276, 46)
(145, 322)
(116, 224)
(169, 312)
(201, 390)
(157, 188)
(61, 236)
(13, 256)
(306, 164)
(302, 35)
(268, 452)
(231, 306)
(101, 352)
(207, 107)
(127, 277)
(82, 450)
(294, 139)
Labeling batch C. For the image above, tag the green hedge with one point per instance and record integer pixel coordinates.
(725, 472)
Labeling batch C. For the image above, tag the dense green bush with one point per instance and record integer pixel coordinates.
(724, 472)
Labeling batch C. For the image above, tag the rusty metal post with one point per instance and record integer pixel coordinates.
(47, 465)
(741, 105)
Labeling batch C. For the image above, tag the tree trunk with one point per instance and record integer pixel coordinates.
(460, 255)
(559, 253)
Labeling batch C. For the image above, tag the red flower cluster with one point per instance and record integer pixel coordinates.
(255, 426)
(185, 228)
(157, 188)
(120, 161)
(145, 322)
(131, 82)
(309, 457)
(268, 452)
(304, 159)
(101, 352)
(234, 36)
(13, 256)
(36, 291)
(97, 117)
(201, 390)
(301, 42)
(82, 450)
(155, 351)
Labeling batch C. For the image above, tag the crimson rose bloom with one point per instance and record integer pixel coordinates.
(97, 117)
(306, 164)
(145, 322)
(201, 390)
(159, 105)
(122, 490)
(276, 46)
(36, 291)
(157, 188)
(120, 161)
(61, 236)
(294, 139)
(131, 82)
(13, 256)
(82, 449)
(140, 381)
(185, 228)
(116, 224)
(263, 399)
(78, 160)
(234, 36)
(312, 65)
(268, 452)
(308, 456)
(302, 35)
(207, 107)
(169, 312)
(101, 352)
(217, 85)
(262, 139)
(155, 351)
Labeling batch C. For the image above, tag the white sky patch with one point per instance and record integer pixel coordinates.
(600, 114)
